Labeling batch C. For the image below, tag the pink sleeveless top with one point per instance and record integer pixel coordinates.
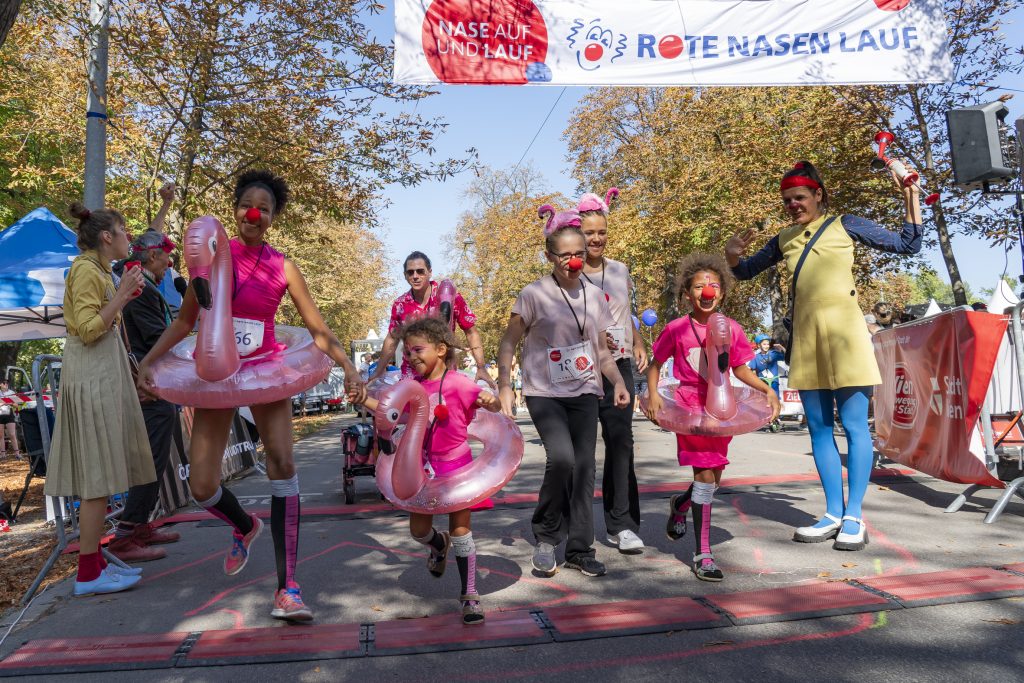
(260, 285)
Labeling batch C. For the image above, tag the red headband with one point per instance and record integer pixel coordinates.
(798, 181)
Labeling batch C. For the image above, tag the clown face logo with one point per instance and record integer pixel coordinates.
(595, 45)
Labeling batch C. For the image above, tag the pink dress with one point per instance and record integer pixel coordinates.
(260, 285)
(689, 366)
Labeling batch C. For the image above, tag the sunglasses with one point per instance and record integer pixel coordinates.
(415, 271)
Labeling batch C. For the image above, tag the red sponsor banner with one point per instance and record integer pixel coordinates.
(935, 375)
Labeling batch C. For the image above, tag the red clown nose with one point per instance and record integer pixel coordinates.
(253, 215)
(575, 264)
(441, 412)
(707, 293)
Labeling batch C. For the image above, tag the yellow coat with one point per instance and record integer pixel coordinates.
(831, 343)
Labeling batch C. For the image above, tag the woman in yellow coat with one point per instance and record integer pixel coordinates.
(832, 362)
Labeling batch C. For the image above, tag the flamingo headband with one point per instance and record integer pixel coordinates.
(591, 202)
(798, 180)
(559, 220)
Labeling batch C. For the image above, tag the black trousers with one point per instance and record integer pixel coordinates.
(620, 495)
(159, 417)
(565, 505)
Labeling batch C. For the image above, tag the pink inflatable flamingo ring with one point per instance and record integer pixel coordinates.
(726, 410)
(401, 476)
(445, 307)
(207, 370)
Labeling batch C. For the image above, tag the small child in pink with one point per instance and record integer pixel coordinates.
(454, 399)
(683, 341)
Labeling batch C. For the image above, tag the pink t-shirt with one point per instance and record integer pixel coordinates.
(551, 325)
(459, 393)
(617, 284)
(259, 286)
(689, 363)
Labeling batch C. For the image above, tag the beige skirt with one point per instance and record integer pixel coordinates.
(100, 446)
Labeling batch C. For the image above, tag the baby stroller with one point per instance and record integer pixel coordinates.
(358, 447)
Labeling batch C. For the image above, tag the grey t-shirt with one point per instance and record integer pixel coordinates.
(617, 284)
(550, 325)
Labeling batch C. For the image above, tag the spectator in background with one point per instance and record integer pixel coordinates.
(765, 362)
(492, 371)
(872, 323)
(8, 428)
(100, 446)
(145, 319)
(883, 315)
(979, 306)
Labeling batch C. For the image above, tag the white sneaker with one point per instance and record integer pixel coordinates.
(627, 541)
(817, 534)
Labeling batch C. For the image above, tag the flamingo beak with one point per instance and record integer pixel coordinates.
(201, 286)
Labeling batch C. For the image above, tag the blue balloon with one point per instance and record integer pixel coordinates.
(649, 317)
(636, 321)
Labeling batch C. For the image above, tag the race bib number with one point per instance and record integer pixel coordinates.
(248, 336)
(619, 336)
(571, 363)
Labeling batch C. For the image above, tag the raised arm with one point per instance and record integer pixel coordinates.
(871, 234)
(745, 269)
(166, 197)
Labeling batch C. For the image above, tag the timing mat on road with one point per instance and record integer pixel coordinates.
(514, 627)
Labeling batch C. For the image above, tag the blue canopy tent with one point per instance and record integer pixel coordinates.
(35, 255)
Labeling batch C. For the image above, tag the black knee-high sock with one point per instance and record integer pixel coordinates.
(284, 526)
(225, 506)
(683, 501)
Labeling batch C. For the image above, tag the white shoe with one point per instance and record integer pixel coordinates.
(106, 582)
(855, 541)
(817, 534)
(123, 571)
(627, 541)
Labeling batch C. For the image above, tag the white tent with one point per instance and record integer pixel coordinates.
(933, 309)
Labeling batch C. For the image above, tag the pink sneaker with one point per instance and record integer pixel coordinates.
(288, 605)
(239, 553)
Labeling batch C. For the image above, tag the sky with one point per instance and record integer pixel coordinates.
(501, 121)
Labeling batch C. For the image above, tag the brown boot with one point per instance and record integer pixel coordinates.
(147, 534)
(129, 550)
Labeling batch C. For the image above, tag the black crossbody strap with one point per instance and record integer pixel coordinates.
(803, 256)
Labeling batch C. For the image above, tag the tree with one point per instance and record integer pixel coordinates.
(928, 285)
(499, 246)
(695, 165)
(8, 13)
(916, 115)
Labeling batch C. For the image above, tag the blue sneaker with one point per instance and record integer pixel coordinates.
(106, 582)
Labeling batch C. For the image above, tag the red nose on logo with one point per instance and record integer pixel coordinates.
(891, 5)
(253, 215)
(595, 51)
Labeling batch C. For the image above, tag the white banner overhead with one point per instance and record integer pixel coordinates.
(670, 42)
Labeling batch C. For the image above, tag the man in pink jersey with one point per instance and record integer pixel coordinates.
(421, 298)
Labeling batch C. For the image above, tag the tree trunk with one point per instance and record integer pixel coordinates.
(945, 246)
(779, 301)
(8, 13)
(8, 356)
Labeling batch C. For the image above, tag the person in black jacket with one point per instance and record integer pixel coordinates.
(145, 319)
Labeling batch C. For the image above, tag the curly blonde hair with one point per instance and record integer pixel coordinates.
(695, 263)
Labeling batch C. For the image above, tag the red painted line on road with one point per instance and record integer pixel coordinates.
(948, 586)
(864, 622)
(522, 498)
(174, 570)
(909, 559)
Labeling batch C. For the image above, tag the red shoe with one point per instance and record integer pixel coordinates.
(238, 555)
(128, 550)
(147, 534)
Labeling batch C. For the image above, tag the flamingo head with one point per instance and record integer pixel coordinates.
(719, 335)
(204, 237)
(591, 202)
(390, 406)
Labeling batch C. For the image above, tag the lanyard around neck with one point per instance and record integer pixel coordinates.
(603, 261)
(579, 326)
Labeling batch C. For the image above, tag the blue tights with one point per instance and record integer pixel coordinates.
(853, 411)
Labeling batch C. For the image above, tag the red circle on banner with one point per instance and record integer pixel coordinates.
(891, 5)
(670, 47)
(556, 356)
(593, 52)
(464, 43)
